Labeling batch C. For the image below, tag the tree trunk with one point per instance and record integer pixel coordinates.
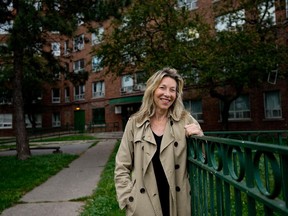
(22, 143)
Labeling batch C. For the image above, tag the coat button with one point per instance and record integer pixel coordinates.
(177, 188)
(177, 166)
(131, 199)
(142, 190)
(176, 144)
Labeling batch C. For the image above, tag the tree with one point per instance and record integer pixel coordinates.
(151, 35)
(29, 36)
(243, 53)
(154, 34)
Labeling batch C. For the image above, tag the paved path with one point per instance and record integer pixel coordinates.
(57, 195)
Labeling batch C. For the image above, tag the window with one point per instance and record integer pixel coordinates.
(195, 108)
(66, 47)
(78, 43)
(240, 108)
(189, 4)
(98, 89)
(6, 121)
(6, 27)
(56, 119)
(5, 97)
(55, 95)
(272, 105)
(36, 118)
(97, 36)
(79, 92)
(98, 116)
(38, 5)
(67, 94)
(55, 48)
(231, 21)
(78, 66)
(286, 9)
(188, 34)
(80, 17)
(127, 84)
(267, 11)
(96, 63)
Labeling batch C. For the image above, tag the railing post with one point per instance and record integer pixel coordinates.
(250, 180)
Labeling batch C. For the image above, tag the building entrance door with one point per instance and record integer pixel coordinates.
(79, 120)
(128, 110)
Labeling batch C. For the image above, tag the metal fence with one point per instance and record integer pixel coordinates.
(237, 177)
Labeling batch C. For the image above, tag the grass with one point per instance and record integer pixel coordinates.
(51, 139)
(18, 177)
(103, 201)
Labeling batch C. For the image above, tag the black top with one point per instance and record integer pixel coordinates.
(162, 183)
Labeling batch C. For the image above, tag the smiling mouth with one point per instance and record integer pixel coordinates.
(165, 100)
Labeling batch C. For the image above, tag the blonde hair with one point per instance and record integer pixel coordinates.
(148, 106)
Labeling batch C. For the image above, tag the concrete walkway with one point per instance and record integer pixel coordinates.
(59, 194)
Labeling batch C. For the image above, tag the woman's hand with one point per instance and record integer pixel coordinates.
(193, 129)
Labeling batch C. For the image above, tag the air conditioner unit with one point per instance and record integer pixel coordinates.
(137, 87)
(118, 109)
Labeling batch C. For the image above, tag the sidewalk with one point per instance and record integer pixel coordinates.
(59, 194)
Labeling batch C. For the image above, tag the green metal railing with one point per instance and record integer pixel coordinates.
(237, 177)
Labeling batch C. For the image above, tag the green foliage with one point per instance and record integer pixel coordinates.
(103, 202)
(18, 177)
(151, 35)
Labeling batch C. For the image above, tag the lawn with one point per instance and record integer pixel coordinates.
(103, 201)
(18, 177)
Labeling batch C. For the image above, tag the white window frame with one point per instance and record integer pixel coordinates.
(286, 9)
(78, 43)
(223, 23)
(273, 108)
(240, 108)
(56, 119)
(67, 94)
(79, 92)
(56, 97)
(66, 47)
(189, 4)
(6, 27)
(190, 105)
(38, 121)
(6, 121)
(38, 5)
(95, 64)
(98, 89)
(127, 83)
(271, 11)
(55, 48)
(79, 65)
(97, 37)
(80, 17)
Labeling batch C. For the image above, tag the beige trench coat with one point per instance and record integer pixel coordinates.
(135, 180)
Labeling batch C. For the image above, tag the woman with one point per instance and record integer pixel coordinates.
(150, 173)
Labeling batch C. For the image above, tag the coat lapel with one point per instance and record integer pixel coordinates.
(168, 137)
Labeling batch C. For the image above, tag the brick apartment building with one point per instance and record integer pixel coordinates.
(105, 102)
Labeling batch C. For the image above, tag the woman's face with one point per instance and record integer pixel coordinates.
(165, 93)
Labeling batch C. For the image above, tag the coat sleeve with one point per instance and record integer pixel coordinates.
(124, 165)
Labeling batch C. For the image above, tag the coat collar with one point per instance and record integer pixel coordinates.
(139, 124)
(146, 132)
